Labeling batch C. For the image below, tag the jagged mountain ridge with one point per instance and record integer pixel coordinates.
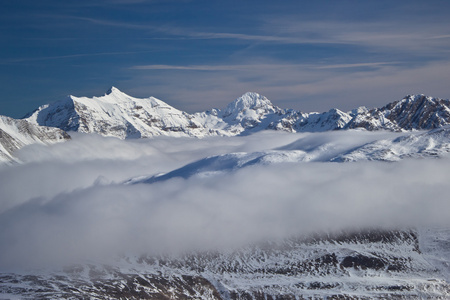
(123, 116)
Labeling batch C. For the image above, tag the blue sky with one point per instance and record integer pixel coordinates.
(196, 55)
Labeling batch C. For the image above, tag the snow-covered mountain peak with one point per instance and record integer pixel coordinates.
(412, 101)
(114, 95)
(249, 101)
(117, 114)
(416, 97)
(418, 112)
(114, 90)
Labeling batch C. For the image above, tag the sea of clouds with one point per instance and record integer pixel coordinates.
(67, 202)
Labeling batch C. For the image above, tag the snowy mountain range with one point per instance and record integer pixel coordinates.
(119, 115)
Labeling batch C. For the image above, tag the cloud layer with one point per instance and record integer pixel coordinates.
(66, 202)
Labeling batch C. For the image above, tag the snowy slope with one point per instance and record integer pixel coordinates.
(14, 134)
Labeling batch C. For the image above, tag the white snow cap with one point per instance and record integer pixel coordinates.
(113, 90)
(249, 100)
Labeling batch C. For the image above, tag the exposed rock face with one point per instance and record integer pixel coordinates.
(14, 134)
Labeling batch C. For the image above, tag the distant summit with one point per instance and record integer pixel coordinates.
(248, 102)
(112, 90)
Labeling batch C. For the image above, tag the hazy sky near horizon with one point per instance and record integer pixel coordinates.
(199, 54)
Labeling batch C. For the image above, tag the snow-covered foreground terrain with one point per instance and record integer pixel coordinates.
(357, 265)
(350, 214)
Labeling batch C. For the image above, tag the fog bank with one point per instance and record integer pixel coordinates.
(67, 202)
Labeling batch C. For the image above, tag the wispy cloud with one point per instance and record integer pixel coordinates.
(407, 37)
(98, 21)
(413, 38)
(244, 37)
(356, 65)
(43, 58)
(242, 67)
(189, 68)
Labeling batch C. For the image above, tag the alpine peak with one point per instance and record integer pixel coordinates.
(249, 100)
(113, 90)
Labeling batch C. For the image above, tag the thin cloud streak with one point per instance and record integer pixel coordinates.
(242, 67)
(376, 35)
(97, 21)
(356, 65)
(30, 59)
(249, 37)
